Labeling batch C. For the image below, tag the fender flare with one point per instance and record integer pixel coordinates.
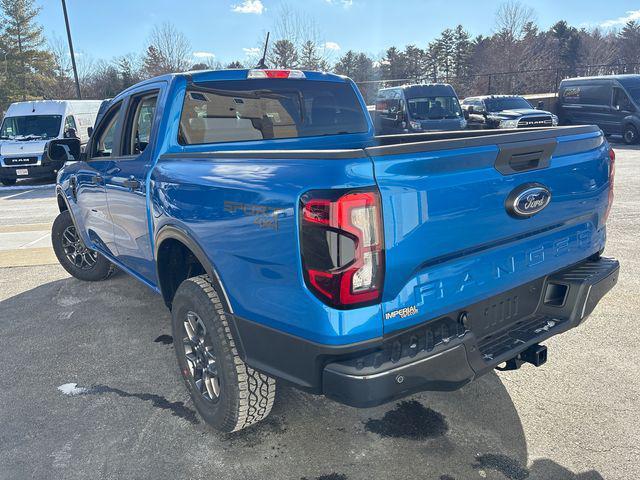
(631, 120)
(173, 232)
(60, 194)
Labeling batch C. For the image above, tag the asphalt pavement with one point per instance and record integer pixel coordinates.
(89, 387)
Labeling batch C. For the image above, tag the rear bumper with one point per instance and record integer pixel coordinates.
(441, 354)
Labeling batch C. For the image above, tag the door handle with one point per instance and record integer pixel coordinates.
(97, 179)
(131, 183)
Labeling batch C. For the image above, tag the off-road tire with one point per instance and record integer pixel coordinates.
(630, 135)
(246, 396)
(7, 182)
(101, 270)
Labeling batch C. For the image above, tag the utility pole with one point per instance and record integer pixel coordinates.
(73, 57)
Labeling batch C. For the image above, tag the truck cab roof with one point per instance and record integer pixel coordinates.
(485, 97)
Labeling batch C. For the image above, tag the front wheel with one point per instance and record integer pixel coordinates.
(73, 255)
(630, 135)
(7, 182)
(227, 393)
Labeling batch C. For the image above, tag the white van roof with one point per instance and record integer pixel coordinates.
(52, 107)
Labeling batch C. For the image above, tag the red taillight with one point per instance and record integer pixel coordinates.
(275, 73)
(342, 246)
(612, 173)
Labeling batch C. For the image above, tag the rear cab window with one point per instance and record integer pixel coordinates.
(267, 109)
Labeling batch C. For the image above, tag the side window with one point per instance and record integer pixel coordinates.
(70, 129)
(382, 106)
(393, 104)
(142, 109)
(621, 100)
(402, 107)
(102, 146)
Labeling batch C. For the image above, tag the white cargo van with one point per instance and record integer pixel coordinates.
(28, 126)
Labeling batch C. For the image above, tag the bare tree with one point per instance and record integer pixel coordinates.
(296, 26)
(598, 48)
(168, 51)
(62, 85)
(512, 18)
(300, 30)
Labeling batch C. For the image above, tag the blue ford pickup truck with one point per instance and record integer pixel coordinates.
(292, 243)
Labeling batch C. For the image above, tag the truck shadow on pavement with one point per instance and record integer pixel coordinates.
(109, 403)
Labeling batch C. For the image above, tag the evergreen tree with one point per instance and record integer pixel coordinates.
(392, 65)
(441, 56)
(235, 64)
(568, 47)
(127, 71)
(29, 67)
(462, 51)
(153, 62)
(360, 68)
(413, 60)
(346, 65)
(284, 55)
(629, 44)
(310, 58)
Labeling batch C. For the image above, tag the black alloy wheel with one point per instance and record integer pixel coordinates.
(76, 251)
(200, 357)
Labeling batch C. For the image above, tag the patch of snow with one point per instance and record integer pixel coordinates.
(72, 389)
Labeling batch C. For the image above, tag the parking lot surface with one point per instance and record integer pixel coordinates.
(89, 387)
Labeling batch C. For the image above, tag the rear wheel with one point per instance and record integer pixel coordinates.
(7, 182)
(73, 255)
(228, 394)
(630, 135)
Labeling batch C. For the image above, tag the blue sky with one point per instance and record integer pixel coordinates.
(226, 29)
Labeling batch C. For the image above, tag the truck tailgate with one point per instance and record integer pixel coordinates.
(450, 238)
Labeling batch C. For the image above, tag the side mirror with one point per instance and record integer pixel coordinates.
(89, 131)
(465, 113)
(470, 110)
(540, 105)
(64, 149)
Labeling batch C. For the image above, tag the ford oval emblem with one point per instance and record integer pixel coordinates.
(527, 200)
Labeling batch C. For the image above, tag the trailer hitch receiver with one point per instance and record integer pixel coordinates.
(535, 355)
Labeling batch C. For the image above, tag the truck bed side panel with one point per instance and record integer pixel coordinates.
(242, 210)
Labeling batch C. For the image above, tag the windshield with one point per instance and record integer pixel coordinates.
(237, 111)
(433, 108)
(634, 93)
(31, 127)
(507, 103)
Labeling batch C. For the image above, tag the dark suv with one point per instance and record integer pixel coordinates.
(505, 111)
